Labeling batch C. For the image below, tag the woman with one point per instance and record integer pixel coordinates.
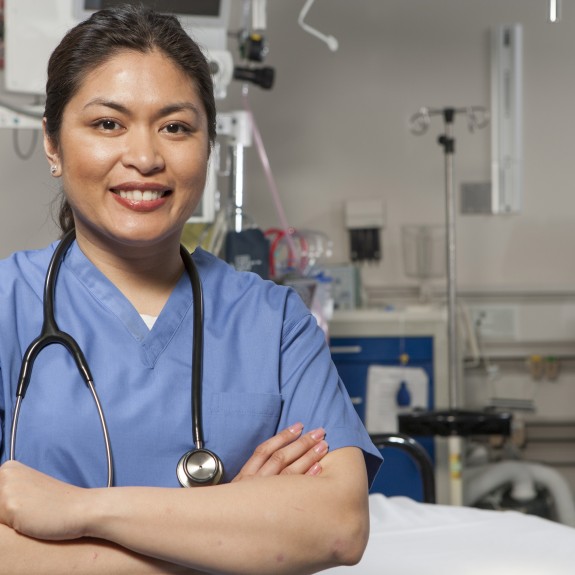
(128, 126)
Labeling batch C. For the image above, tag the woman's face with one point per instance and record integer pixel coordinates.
(133, 150)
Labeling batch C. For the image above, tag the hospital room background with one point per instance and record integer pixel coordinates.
(354, 177)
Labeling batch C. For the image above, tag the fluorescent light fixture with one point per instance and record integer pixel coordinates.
(506, 116)
(554, 11)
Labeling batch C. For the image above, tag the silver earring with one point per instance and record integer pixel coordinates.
(53, 169)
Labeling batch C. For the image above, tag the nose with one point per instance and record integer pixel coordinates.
(142, 152)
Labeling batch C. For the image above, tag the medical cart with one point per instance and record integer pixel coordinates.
(364, 337)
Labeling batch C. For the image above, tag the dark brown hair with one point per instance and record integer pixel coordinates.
(102, 36)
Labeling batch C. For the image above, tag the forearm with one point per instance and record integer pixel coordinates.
(20, 555)
(282, 524)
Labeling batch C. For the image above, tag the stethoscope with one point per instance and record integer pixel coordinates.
(197, 467)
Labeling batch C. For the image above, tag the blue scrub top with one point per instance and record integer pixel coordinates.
(266, 366)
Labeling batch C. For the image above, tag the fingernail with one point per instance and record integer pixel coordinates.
(318, 433)
(315, 469)
(296, 428)
(321, 448)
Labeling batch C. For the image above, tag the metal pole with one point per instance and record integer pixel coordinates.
(236, 154)
(455, 443)
(239, 186)
(419, 125)
(448, 143)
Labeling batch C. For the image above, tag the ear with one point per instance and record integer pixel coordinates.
(51, 151)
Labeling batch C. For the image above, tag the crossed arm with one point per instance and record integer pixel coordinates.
(292, 509)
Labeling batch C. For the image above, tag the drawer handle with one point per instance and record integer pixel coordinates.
(346, 349)
(358, 400)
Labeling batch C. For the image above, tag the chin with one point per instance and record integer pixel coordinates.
(134, 237)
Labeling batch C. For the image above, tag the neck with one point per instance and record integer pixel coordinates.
(145, 274)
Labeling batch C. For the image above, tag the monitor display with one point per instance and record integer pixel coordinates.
(183, 7)
(34, 29)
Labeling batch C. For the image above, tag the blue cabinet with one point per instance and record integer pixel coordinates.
(353, 356)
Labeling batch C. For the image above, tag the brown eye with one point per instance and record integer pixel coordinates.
(176, 128)
(108, 125)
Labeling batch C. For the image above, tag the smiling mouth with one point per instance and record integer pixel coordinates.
(142, 196)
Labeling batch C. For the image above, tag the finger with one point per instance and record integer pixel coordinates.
(315, 469)
(299, 455)
(307, 462)
(266, 449)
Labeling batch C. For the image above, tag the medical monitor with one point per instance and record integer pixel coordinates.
(33, 28)
(205, 20)
(202, 8)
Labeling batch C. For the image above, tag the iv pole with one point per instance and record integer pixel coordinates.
(476, 118)
(448, 143)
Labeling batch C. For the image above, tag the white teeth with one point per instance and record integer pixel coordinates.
(138, 195)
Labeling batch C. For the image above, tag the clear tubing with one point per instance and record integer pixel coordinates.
(268, 172)
(480, 482)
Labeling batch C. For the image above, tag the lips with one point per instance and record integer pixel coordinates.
(139, 196)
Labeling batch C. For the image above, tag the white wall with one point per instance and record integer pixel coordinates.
(27, 190)
(335, 127)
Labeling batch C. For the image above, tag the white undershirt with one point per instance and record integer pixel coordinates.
(149, 320)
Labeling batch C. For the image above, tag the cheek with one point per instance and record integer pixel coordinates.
(85, 161)
(194, 174)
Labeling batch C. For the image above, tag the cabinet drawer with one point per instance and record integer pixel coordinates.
(381, 349)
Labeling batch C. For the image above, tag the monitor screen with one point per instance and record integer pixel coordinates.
(183, 7)
(34, 29)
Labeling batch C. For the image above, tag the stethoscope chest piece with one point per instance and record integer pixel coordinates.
(199, 467)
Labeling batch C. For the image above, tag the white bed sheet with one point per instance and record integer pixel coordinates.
(422, 539)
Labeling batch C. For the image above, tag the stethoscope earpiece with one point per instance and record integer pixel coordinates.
(198, 468)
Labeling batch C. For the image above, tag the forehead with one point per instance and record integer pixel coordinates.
(139, 78)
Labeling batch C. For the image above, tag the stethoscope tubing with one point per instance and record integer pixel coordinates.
(52, 334)
(110, 477)
(198, 348)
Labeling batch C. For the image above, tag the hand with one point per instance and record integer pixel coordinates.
(288, 452)
(38, 505)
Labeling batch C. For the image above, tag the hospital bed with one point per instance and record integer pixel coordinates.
(412, 538)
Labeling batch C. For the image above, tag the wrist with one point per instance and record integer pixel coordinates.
(93, 510)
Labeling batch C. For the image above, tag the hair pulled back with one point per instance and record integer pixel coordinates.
(104, 35)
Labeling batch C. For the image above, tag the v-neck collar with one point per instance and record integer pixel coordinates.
(153, 341)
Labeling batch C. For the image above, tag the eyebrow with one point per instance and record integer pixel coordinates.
(165, 111)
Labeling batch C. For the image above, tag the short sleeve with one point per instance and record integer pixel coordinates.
(2, 417)
(312, 391)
